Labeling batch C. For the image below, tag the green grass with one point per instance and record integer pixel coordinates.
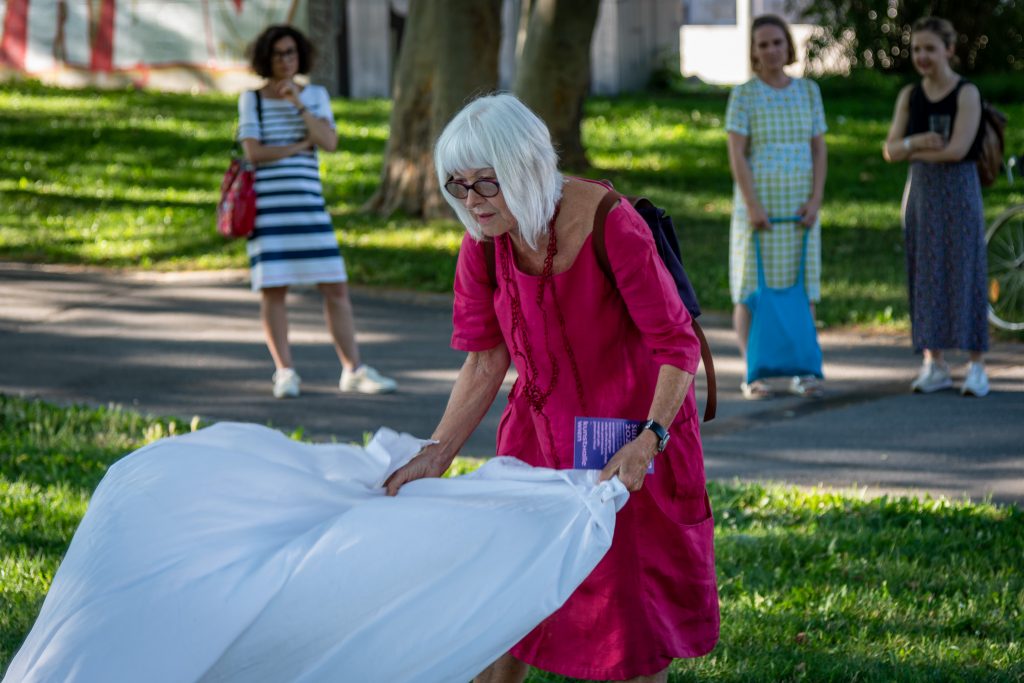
(814, 585)
(130, 179)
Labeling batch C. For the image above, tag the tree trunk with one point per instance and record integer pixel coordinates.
(323, 33)
(449, 54)
(554, 73)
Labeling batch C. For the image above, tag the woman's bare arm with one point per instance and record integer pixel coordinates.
(898, 147)
(475, 388)
(744, 177)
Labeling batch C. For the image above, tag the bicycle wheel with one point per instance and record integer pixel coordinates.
(1005, 239)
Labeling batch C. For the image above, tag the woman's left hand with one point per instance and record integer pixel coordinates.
(631, 461)
(808, 212)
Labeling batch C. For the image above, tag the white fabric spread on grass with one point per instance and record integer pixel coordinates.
(237, 554)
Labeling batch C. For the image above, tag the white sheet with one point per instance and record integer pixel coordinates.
(237, 554)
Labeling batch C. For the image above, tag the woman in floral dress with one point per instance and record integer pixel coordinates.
(936, 127)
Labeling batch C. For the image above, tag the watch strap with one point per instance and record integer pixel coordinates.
(659, 431)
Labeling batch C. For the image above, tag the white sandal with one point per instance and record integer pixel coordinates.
(807, 386)
(756, 390)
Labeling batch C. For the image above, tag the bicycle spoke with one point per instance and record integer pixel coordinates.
(1006, 270)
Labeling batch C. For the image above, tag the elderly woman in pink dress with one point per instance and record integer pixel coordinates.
(530, 290)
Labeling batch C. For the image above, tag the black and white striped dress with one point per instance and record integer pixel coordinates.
(293, 242)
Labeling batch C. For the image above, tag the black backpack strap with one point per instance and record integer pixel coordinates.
(610, 200)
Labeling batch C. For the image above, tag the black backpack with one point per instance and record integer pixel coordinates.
(664, 234)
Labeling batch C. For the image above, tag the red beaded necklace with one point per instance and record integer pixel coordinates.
(522, 347)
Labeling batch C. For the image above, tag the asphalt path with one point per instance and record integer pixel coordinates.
(190, 344)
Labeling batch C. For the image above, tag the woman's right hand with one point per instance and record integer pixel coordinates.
(431, 461)
(758, 217)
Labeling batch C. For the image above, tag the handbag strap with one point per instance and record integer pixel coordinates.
(259, 116)
(259, 111)
(761, 283)
(803, 258)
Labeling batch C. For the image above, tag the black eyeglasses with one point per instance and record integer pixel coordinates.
(485, 187)
(285, 54)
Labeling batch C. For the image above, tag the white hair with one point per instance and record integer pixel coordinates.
(500, 132)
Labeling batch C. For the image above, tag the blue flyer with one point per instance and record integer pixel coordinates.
(597, 439)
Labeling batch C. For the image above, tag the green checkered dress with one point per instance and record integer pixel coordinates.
(779, 125)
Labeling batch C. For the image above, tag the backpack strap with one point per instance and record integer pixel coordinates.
(489, 259)
(609, 201)
(711, 407)
(604, 207)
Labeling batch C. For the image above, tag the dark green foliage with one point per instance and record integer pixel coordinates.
(875, 34)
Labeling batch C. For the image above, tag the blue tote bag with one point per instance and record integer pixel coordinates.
(783, 341)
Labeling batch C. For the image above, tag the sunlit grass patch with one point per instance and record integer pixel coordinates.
(815, 585)
(130, 179)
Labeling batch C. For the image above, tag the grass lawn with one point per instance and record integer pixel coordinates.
(130, 179)
(814, 586)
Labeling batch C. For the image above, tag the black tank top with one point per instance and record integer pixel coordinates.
(921, 108)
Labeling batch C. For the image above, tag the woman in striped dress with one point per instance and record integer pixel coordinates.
(281, 126)
(777, 153)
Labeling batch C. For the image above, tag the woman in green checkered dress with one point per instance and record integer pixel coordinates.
(776, 127)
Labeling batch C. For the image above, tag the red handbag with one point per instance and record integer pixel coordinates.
(236, 212)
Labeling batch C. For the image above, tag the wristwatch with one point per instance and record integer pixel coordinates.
(659, 432)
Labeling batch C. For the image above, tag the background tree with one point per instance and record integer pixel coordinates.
(324, 23)
(553, 75)
(876, 33)
(449, 54)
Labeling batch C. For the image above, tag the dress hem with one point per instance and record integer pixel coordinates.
(647, 668)
(304, 281)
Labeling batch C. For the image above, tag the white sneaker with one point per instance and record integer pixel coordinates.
(286, 383)
(976, 381)
(366, 380)
(933, 377)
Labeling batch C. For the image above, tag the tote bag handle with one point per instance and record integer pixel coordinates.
(761, 283)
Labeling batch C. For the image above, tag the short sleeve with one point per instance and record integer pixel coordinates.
(248, 119)
(319, 103)
(649, 291)
(737, 116)
(818, 125)
(474, 321)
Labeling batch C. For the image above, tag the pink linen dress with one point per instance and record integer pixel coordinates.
(583, 347)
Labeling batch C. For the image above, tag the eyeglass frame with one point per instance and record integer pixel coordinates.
(292, 52)
(473, 186)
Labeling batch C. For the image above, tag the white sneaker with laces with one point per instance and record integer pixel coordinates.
(976, 381)
(286, 383)
(933, 377)
(366, 380)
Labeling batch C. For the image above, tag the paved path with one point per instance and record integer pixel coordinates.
(190, 344)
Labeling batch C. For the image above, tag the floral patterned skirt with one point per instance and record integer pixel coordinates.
(944, 229)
